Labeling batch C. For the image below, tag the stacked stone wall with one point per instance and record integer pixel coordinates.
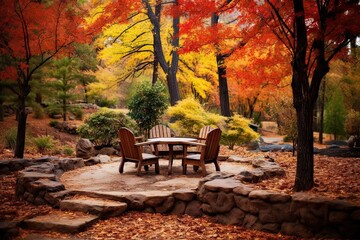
(219, 195)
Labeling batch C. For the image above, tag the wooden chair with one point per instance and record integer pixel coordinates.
(131, 151)
(209, 152)
(162, 131)
(200, 139)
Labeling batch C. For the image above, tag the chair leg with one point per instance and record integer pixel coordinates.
(184, 168)
(139, 169)
(217, 167)
(203, 168)
(121, 167)
(157, 168)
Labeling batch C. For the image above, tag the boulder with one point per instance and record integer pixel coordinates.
(85, 148)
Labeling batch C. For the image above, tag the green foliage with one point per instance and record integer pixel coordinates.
(68, 151)
(54, 123)
(148, 104)
(78, 112)
(102, 127)
(334, 115)
(39, 112)
(53, 110)
(102, 101)
(44, 143)
(237, 131)
(352, 123)
(188, 117)
(10, 138)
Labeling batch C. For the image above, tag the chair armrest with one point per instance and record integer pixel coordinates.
(144, 143)
(195, 144)
(139, 139)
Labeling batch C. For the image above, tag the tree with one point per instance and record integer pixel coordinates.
(132, 9)
(314, 32)
(32, 33)
(66, 75)
(147, 105)
(335, 115)
(352, 125)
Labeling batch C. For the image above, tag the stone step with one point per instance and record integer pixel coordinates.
(61, 222)
(100, 207)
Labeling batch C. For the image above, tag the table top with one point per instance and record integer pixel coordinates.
(179, 140)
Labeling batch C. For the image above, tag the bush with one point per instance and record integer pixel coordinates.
(53, 110)
(104, 102)
(77, 112)
(68, 151)
(188, 117)
(237, 131)
(54, 123)
(39, 112)
(102, 128)
(44, 143)
(148, 104)
(10, 138)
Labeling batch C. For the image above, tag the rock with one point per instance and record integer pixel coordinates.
(233, 158)
(166, 206)
(219, 202)
(45, 167)
(276, 148)
(108, 151)
(270, 196)
(45, 184)
(252, 176)
(104, 158)
(276, 213)
(295, 229)
(243, 190)
(234, 217)
(94, 206)
(84, 148)
(54, 198)
(56, 116)
(8, 230)
(225, 185)
(91, 161)
(60, 222)
(184, 194)
(249, 221)
(194, 209)
(179, 208)
(68, 164)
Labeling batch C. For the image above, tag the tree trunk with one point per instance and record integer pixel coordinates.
(21, 129)
(322, 105)
(223, 86)
(156, 59)
(304, 179)
(171, 77)
(1, 111)
(64, 110)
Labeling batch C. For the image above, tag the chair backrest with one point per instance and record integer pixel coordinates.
(212, 142)
(127, 143)
(202, 135)
(160, 131)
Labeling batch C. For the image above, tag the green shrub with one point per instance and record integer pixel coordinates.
(148, 104)
(54, 123)
(237, 131)
(77, 112)
(44, 143)
(10, 138)
(39, 112)
(68, 151)
(102, 127)
(53, 110)
(188, 117)
(105, 102)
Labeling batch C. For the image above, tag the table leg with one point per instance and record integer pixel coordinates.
(171, 158)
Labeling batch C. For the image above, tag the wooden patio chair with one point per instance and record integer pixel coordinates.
(162, 131)
(131, 151)
(209, 153)
(200, 139)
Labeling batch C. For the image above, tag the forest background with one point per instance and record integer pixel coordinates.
(265, 60)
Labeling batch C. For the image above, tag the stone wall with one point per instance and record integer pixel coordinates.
(218, 195)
